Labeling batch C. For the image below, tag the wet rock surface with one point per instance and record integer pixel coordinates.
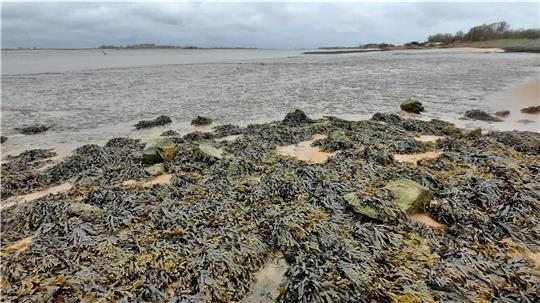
(502, 113)
(158, 150)
(476, 114)
(3, 139)
(207, 233)
(161, 120)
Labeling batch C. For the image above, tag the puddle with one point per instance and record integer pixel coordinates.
(36, 195)
(305, 152)
(266, 287)
(426, 219)
(19, 246)
(427, 138)
(229, 138)
(161, 180)
(413, 158)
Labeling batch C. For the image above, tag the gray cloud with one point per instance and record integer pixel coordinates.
(272, 25)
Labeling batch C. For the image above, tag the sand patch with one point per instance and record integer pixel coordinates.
(414, 158)
(518, 250)
(268, 278)
(428, 138)
(305, 152)
(229, 138)
(161, 180)
(19, 246)
(426, 219)
(64, 187)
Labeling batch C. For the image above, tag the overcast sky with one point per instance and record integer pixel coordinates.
(264, 25)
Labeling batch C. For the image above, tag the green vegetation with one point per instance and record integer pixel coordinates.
(487, 32)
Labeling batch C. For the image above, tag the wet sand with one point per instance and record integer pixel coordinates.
(414, 158)
(267, 281)
(305, 152)
(64, 187)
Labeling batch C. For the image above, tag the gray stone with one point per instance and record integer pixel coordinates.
(210, 151)
(156, 169)
(356, 204)
(472, 133)
(158, 150)
(412, 106)
(408, 195)
(83, 210)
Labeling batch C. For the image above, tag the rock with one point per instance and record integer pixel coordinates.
(170, 133)
(356, 204)
(531, 110)
(34, 129)
(3, 139)
(502, 113)
(412, 106)
(452, 130)
(525, 121)
(472, 133)
(157, 150)
(296, 118)
(201, 121)
(87, 181)
(161, 120)
(476, 114)
(156, 169)
(408, 195)
(209, 151)
(84, 210)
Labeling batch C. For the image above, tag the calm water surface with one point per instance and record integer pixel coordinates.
(91, 97)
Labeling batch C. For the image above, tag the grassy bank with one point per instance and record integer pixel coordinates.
(515, 45)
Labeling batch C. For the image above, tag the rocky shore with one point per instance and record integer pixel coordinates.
(391, 210)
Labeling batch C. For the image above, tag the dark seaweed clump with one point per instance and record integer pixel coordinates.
(161, 120)
(203, 237)
(296, 118)
(201, 121)
(476, 114)
(34, 129)
(3, 139)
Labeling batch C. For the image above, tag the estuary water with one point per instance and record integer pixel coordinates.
(91, 97)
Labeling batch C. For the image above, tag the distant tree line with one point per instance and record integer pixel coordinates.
(484, 32)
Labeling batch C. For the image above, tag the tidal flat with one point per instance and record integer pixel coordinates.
(227, 216)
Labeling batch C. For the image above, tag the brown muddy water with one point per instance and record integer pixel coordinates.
(91, 99)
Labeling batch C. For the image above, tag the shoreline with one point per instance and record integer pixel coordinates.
(234, 196)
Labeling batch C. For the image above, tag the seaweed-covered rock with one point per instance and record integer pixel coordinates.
(161, 120)
(3, 139)
(412, 106)
(502, 113)
(471, 133)
(34, 129)
(209, 151)
(476, 114)
(408, 194)
(200, 120)
(84, 211)
(522, 141)
(296, 118)
(157, 150)
(531, 110)
(361, 208)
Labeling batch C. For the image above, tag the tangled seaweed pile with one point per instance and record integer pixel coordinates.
(203, 237)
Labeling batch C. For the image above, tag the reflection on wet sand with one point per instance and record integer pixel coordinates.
(305, 152)
(414, 158)
(36, 195)
(266, 287)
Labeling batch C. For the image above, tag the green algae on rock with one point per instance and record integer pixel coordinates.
(157, 150)
(83, 210)
(156, 169)
(356, 204)
(412, 106)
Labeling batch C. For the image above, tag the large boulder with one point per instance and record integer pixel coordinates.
(408, 195)
(476, 114)
(158, 150)
(296, 118)
(359, 207)
(84, 211)
(412, 106)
